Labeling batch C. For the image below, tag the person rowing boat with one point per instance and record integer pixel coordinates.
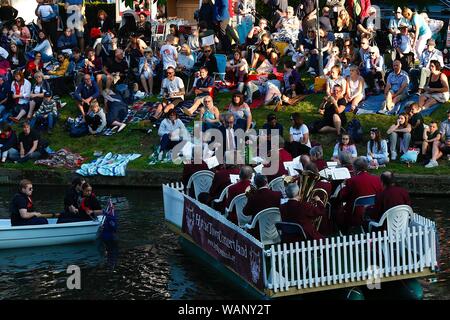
(21, 207)
(72, 202)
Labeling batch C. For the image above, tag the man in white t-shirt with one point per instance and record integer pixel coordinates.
(172, 91)
(169, 54)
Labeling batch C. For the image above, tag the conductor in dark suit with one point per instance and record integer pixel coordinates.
(245, 176)
(362, 184)
(228, 131)
(391, 196)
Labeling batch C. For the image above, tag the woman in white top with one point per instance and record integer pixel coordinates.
(171, 131)
(336, 78)
(355, 88)
(44, 47)
(377, 150)
(299, 142)
(186, 60)
(21, 91)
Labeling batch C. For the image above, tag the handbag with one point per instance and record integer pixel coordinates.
(320, 84)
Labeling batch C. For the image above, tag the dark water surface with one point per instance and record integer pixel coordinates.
(146, 262)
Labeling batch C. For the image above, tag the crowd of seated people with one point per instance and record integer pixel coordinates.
(185, 66)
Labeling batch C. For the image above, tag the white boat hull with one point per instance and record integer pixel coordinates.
(47, 235)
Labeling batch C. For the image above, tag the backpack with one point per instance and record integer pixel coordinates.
(355, 130)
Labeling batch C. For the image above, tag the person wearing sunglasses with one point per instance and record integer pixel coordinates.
(373, 71)
(172, 91)
(333, 60)
(394, 23)
(209, 114)
(345, 145)
(207, 59)
(332, 108)
(403, 48)
(21, 207)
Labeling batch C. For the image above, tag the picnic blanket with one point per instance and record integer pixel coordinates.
(373, 104)
(62, 158)
(113, 165)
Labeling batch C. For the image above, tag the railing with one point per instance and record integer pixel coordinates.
(334, 261)
(365, 257)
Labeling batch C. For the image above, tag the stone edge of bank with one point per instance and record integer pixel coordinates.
(415, 184)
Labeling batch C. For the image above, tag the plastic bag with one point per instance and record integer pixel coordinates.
(410, 156)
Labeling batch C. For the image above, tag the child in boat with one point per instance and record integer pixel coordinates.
(90, 206)
(21, 207)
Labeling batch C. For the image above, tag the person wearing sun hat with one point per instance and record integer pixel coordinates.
(403, 48)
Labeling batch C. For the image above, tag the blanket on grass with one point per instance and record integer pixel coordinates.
(373, 104)
(113, 165)
(62, 158)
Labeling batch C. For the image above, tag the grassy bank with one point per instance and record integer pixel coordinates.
(134, 138)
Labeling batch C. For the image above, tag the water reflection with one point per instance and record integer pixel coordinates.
(145, 262)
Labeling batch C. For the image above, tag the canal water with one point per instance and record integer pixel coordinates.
(146, 261)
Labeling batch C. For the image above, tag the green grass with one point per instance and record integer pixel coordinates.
(135, 140)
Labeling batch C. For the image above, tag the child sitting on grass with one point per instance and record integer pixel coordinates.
(46, 114)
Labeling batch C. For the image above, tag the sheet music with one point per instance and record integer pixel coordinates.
(335, 173)
(259, 168)
(212, 162)
(208, 40)
(290, 166)
(332, 164)
(234, 178)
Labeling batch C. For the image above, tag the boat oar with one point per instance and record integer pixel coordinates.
(50, 215)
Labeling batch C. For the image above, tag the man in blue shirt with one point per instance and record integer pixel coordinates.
(396, 88)
(67, 41)
(85, 93)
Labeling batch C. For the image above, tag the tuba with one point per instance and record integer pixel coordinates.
(307, 182)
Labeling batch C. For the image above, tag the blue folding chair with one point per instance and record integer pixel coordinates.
(364, 201)
(221, 66)
(287, 230)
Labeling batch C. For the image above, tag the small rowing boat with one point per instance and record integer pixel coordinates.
(48, 234)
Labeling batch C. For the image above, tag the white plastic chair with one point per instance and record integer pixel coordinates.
(223, 194)
(239, 203)
(397, 220)
(202, 181)
(397, 223)
(277, 184)
(267, 218)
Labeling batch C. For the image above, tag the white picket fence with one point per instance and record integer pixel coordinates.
(364, 257)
